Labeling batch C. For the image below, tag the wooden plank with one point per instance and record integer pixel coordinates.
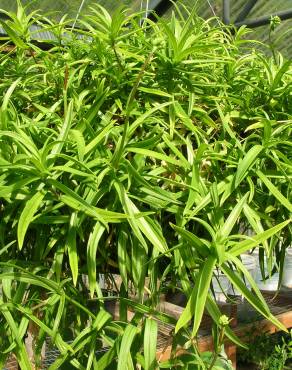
(170, 309)
(166, 353)
(11, 363)
(231, 354)
(264, 325)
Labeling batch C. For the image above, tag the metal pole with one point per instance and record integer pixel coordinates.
(160, 9)
(78, 13)
(226, 11)
(246, 10)
(252, 23)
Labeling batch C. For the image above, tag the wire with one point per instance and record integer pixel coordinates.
(78, 13)
(212, 9)
(146, 10)
(214, 13)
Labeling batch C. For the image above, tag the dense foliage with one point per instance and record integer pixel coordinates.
(147, 151)
(269, 352)
(56, 9)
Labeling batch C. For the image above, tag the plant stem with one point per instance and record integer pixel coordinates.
(217, 349)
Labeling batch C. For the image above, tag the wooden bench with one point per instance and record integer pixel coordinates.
(280, 306)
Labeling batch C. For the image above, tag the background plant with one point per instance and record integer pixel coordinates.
(144, 151)
(267, 351)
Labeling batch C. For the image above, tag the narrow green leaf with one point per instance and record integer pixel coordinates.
(125, 348)
(79, 204)
(246, 163)
(233, 217)
(140, 224)
(221, 187)
(274, 191)
(195, 241)
(240, 267)
(58, 317)
(150, 343)
(64, 130)
(101, 319)
(127, 205)
(196, 304)
(99, 137)
(279, 75)
(245, 245)
(155, 92)
(156, 155)
(4, 113)
(7, 283)
(143, 117)
(31, 279)
(13, 36)
(26, 216)
(8, 94)
(92, 246)
(176, 151)
(186, 120)
(215, 313)
(251, 297)
(77, 136)
(71, 246)
(123, 255)
(21, 353)
(107, 359)
(255, 222)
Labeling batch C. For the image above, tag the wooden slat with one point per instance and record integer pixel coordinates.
(264, 325)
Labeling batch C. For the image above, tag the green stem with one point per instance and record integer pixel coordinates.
(117, 58)
(217, 349)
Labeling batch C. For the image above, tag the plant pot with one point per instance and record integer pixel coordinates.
(250, 263)
(287, 273)
(221, 286)
(270, 284)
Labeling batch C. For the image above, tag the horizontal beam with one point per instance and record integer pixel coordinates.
(253, 23)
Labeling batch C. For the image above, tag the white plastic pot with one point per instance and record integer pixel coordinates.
(287, 273)
(270, 284)
(221, 286)
(250, 263)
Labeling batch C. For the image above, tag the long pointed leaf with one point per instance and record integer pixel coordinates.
(274, 191)
(255, 240)
(196, 304)
(26, 216)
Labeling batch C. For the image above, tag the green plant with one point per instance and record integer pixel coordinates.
(141, 151)
(216, 360)
(270, 352)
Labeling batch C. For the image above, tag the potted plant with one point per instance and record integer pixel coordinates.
(136, 151)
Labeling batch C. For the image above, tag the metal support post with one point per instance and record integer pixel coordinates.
(246, 10)
(160, 9)
(226, 11)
